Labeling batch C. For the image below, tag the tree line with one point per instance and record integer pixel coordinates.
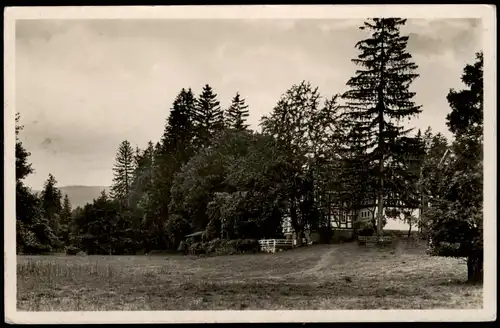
(210, 172)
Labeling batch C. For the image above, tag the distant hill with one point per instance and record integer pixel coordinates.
(81, 195)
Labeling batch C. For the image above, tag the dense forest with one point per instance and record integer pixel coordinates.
(210, 172)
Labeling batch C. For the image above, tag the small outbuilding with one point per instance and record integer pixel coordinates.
(196, 236)
(183, 244)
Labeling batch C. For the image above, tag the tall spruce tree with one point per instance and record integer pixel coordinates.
(179, 131)
(379, 99)
(208, 117)
(65, 220)
(123, 173)
(51, 198)
(174, 150)
(237, 113)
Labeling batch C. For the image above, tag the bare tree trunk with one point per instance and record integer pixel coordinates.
(298, 238)
(380, 204)
(409, 230)
(298, 228)
(355, 226)
(381, 106)
(475, 267)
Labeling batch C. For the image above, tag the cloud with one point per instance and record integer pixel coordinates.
(46, 143)
(440, 36)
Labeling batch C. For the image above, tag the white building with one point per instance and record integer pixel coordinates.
(341, 219)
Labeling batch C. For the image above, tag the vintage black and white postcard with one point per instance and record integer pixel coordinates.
(250, 164)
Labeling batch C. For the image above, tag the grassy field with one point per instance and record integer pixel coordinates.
(344, 276)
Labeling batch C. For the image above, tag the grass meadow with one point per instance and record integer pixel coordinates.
(318, 277)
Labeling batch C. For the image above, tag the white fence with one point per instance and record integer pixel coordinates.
(271, 245)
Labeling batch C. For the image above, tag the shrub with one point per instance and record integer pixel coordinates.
(183, 247)
(366, 232)
(228, 247)
(72, 250)
(248, 245)
(214, 245)
(363, 228)
(197, 248)
(445, 249)
(224, 247)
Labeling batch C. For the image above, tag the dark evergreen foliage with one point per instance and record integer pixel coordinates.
(208, 117)
(378, 100)
(123, 173)
(237, 113)
(34, 233)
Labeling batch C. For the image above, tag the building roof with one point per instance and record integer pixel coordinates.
(196, 234)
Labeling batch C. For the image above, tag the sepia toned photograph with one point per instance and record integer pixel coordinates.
(259, 162)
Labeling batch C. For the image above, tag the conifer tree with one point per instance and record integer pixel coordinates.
(51, 203)
(145, 165)
(23, 167)
(174, 149)
(65, 220)
(176, 146)
(378, 100)
(123, 173)
(237, 114)
(208, 117)
(179, 131)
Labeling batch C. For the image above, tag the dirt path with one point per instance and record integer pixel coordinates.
(323, 263)
(328, 258)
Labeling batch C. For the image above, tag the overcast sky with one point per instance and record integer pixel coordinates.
(84, 86)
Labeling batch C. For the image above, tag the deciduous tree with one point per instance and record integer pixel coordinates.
(301, 125)
(456, 213)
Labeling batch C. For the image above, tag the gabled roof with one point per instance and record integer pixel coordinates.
(199, 233)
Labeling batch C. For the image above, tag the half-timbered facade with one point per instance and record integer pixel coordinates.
(340, 216)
